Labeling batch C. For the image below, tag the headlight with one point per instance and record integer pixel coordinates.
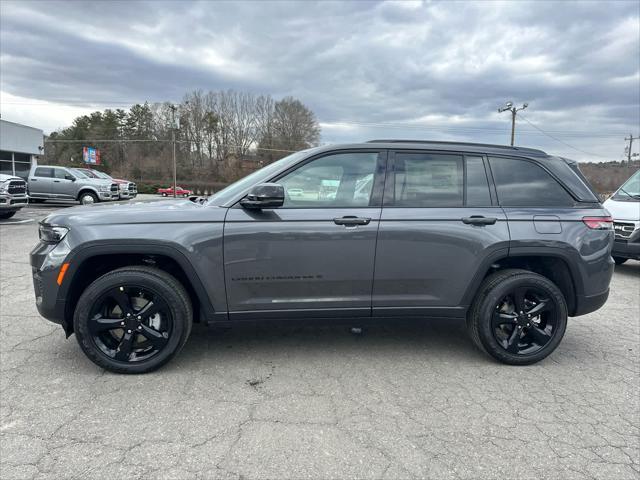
(51, 234)
(4, 187)
(104, 188)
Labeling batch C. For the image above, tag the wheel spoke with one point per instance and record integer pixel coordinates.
(155, 337)
(543, 306)
(150, 309)
(518, 299)
(100, 324)
(514, 339)
(123, 300)
(125, 347)
(538, 335)
(501, 318)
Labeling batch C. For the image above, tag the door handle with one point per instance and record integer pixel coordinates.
(479, 220)
(351, 220)
(34, 180)
(56, 181)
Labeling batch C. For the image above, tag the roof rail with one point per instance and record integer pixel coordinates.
(468, 144)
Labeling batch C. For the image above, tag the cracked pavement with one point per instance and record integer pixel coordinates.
(406, 400)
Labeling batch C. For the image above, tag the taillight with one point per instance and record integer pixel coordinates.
(598, 223)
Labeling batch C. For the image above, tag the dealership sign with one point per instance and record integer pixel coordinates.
(91, 155)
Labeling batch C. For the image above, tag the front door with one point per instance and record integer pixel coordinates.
(440, 226)
(314, 256)
(64, 186)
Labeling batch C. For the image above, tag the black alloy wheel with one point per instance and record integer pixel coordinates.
(525, 321)
(133, 319)
(130, 323)
(518, 316)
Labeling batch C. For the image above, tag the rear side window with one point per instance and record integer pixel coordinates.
(43, 172)
(521, 183)
(428, 180)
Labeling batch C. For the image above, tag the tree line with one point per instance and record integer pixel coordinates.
(219, 136)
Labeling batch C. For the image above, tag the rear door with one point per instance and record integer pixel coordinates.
(41, 182)
(314, 256)
(440, 227)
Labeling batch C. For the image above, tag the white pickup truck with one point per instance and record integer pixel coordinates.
(13, 195)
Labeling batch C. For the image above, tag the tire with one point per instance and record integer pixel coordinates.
(164, 194)
(490, 308)
(619, 260)
(87, 198)
(166, 290)
(5, 215)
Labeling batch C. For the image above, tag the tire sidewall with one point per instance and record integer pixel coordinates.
(487, 308)
(98, 288)
(88, 194)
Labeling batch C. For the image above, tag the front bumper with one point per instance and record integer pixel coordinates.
(46, 261)
(626, 249)
(12, 202)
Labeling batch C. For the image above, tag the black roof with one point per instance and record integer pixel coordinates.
(439, 145)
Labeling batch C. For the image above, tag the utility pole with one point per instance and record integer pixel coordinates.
(630, 139)
(509, 106)
(173, 141)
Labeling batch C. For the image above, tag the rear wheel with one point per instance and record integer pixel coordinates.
(87, 198)
(5, 215)
(619, 260)
(133, 319)
(164, 194)
(518, 317)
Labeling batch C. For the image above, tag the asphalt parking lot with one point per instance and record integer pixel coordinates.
(400, 401)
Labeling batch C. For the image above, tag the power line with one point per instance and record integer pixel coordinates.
(561, 141)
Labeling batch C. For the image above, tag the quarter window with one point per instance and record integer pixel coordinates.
(521, 183)
(477, 184)
(44, 172)
(339, 180)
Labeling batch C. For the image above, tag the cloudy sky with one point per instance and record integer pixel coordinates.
(424, 70)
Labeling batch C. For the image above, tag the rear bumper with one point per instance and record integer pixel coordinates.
(626, 249)
(590, 303)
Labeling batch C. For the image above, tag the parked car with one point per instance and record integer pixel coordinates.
(180, 192)
(126, 189)
(48, 182)
(13, 195)
(511, 239)
(624, 206)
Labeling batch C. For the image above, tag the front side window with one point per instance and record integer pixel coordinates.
(60, 173)
(630, 190)
(46, 172)
(521, 183)
(428, 180)
(338, 180)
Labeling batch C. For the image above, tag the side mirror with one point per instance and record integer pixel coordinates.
(70, 177)
(264, 195)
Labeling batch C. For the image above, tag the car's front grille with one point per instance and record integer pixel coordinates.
(623, 230)
(17, 187)
(132, 188)
(114, 188)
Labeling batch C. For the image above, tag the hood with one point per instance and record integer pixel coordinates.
(623, 210)
(4, 178)
(168, 211)
(119, 180)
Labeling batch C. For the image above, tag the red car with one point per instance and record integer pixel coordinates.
(180, 192)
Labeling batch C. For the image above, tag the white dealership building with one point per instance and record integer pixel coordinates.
(19, 144)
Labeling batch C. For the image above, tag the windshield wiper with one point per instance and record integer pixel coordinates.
(636, 196)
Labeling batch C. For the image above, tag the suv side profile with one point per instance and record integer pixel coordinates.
(60, 183)
(511, 239)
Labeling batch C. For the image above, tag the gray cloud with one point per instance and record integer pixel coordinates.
(365, 68)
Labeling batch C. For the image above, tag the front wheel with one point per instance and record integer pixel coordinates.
(164, 194)
(619, 260)
(133, 319)
(518, 317)
(88, 198)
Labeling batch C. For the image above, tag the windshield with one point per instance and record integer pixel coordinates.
(263, 174)
(630, 190)
(79, 173)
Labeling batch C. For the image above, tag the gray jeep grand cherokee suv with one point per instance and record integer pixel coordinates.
(511, 239)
